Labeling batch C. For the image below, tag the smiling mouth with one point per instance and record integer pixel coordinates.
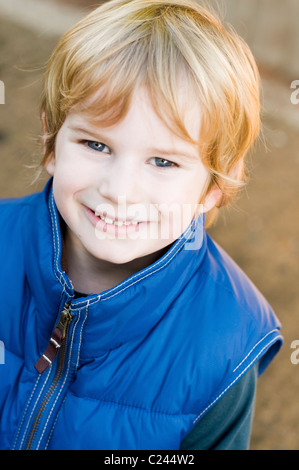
(114, 225)
(116, 222)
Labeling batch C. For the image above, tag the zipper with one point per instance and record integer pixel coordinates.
(56, 344)
(56, 341)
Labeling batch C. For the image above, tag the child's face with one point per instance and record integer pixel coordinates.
(136, 173)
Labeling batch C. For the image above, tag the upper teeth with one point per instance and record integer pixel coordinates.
(119, 223)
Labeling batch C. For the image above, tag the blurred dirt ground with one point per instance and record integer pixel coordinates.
(261, 231)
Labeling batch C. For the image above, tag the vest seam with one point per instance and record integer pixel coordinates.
(81, 335)
(236, 379)
(128, 405)
(255, 346)
(34, 406)
(55, 234)
(25, 412)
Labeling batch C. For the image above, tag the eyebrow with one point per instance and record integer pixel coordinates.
(91, 133)
(174, 153)
(154, 150)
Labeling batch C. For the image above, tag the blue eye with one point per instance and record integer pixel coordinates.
(98, 146)
(162, 163)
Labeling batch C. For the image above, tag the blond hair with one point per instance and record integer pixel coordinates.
(123, 45)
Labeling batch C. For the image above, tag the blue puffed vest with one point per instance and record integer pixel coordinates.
(135, 367)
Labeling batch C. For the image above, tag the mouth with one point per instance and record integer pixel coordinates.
(117, 222)
(114, 226)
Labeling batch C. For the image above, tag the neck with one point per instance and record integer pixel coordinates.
(90, 275)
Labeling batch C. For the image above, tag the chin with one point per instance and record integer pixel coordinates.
(115, 256)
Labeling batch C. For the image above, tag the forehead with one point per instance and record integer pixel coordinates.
(144, 111)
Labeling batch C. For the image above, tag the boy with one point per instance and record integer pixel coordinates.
(125, 326)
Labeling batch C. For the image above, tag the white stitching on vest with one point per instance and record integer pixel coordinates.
(235, 380)
(36, 401)
(272, 331)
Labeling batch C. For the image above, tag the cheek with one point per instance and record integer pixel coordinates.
(195, 190)
(175, 218)
(67, 182)
(180, 203)
(62, 195)
(71, 174)
(181, 198)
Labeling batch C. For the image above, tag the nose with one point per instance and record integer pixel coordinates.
(121, 179)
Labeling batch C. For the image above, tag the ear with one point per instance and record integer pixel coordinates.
(49, 163)
(212, 198)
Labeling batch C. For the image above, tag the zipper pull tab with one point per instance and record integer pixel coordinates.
(64, 321)
(56, 341)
